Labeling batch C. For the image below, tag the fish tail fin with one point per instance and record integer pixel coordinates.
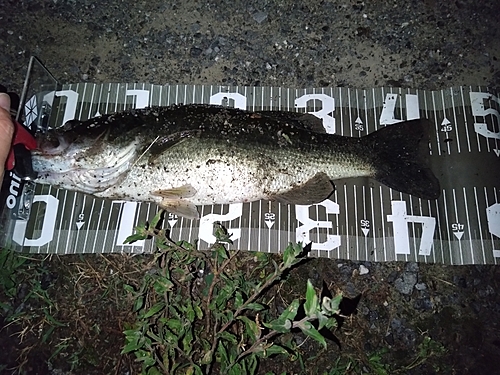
(401, 158)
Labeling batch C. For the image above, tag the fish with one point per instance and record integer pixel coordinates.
(183, 156)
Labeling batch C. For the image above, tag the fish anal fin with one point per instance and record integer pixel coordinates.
(179, 193)
(181, 208)
(315, 190)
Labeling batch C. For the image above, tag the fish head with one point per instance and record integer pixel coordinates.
(87, 161)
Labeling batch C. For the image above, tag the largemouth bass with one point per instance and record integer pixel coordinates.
(187, 155)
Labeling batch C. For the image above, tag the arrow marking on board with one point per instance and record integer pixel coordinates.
(79, 224)
(497, 151)
(172, 222)
(365, 231)
(269, 223)
(458, 235)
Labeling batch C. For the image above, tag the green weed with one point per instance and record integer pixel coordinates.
(194, 322)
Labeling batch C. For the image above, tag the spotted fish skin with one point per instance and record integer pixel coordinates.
(186, 155)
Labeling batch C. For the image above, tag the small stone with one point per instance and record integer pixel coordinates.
(363, 270)
(406, 283)
(420, 286)
(412, 267)
(259, 17)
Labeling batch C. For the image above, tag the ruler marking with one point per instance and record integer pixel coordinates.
(259, 218)
(447, 225)
(341, 113)
(468, 224)
(65, 192)
(250, 226)
(455, 124)
(458, 222)
(109, 220)
(384, 244)
(279, 229)
(445, 117)
(485, 139)
(465, 118)
(434, 246)
(373, 224)
(71, 219)
(115, 236)
(87, 231)
(366, 110)
(356, 221)
(350, 109)
(82, 100)
(97, 229)
(414, 229)
(440, 228)
(346, 219)
(480, 225)
(491, 235)
(436, 123)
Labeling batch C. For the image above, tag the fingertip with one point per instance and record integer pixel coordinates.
(5, 101)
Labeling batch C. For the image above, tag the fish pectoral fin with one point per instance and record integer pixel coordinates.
(181, 192)
(181, 208)
(164, 143)
(316, 190)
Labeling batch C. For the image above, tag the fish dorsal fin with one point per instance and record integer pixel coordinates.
(315, 190)
(304, 121)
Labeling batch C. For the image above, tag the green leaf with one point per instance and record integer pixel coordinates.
(221, 252)
(228, 337)
(128, 288)
(279, 325)
(174, 324)
(322, 319)
(221, 234)
(186, 342)
(290, 311)
(136, 237)
(311, 304)
(190, 314)
(238, 299)
(154, 371)
(310, 331)
(222, 351)
(207, 357)
(255, 306)
(252, 363)
(252, 329)
(198, 311)
(236, 370)
(131, 347)
(139, 303)
(163, 285)
(274, 349)
(330, 306)
(156, 219)
(290, 254)
(154, 309)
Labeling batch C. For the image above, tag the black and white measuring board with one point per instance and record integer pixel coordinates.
(362, 220)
